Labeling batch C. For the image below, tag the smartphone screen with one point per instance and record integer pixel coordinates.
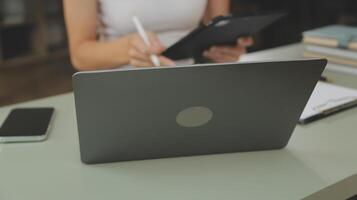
(26, 122)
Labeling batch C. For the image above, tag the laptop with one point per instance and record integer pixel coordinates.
(151, 113)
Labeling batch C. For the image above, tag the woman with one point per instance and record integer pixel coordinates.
(102, 36)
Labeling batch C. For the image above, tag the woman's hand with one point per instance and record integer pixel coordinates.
(221, 54)
(139, 53)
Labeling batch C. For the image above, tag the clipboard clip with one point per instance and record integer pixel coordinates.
(324, 107)
(220, 20)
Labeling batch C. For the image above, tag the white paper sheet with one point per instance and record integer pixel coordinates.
(327, 96)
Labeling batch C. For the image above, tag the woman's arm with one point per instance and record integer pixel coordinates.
(87, 53)
(216, 8)
(221, 54)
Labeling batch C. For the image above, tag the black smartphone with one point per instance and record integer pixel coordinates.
(26, 125)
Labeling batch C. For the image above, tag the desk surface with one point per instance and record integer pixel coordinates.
(317, 155)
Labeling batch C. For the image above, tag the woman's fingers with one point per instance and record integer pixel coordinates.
(229, 53)
(145, 59)
(139, 52)
(221, 58)
(164, 61)
(216, 57)
(224, 53)
(138, 43)
(140, 63)
(145, 63)
(245, 41)
(135, 53)
(139, 59)
(156, 47)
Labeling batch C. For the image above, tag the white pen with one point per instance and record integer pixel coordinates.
(139, 27)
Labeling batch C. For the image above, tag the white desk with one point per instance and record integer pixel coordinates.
(318, 155)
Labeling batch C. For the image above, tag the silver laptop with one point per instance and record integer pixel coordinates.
(153, 113)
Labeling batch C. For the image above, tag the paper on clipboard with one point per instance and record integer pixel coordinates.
(328, 97)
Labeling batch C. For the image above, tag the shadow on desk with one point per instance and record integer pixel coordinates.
(271, 173)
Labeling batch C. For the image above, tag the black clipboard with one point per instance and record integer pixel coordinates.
(222, 30)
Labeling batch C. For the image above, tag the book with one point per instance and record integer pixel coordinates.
(331, 58)
(336, 43)
(333, 36)
(342, 53)
(333, 55)
(328, 99)
(342, 69)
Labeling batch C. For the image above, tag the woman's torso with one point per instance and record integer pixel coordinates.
(170, 19)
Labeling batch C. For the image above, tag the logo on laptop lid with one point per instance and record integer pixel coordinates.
(194, 116)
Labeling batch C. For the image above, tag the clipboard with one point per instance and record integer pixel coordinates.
(328, 99)
(222, 30)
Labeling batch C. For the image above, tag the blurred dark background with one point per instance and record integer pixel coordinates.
(34, 60)
(303, 15)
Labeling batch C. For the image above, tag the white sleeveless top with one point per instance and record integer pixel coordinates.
(170, 19)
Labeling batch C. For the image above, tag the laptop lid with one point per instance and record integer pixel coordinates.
(182, 111)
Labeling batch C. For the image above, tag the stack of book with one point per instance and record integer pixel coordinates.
(337, 43)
